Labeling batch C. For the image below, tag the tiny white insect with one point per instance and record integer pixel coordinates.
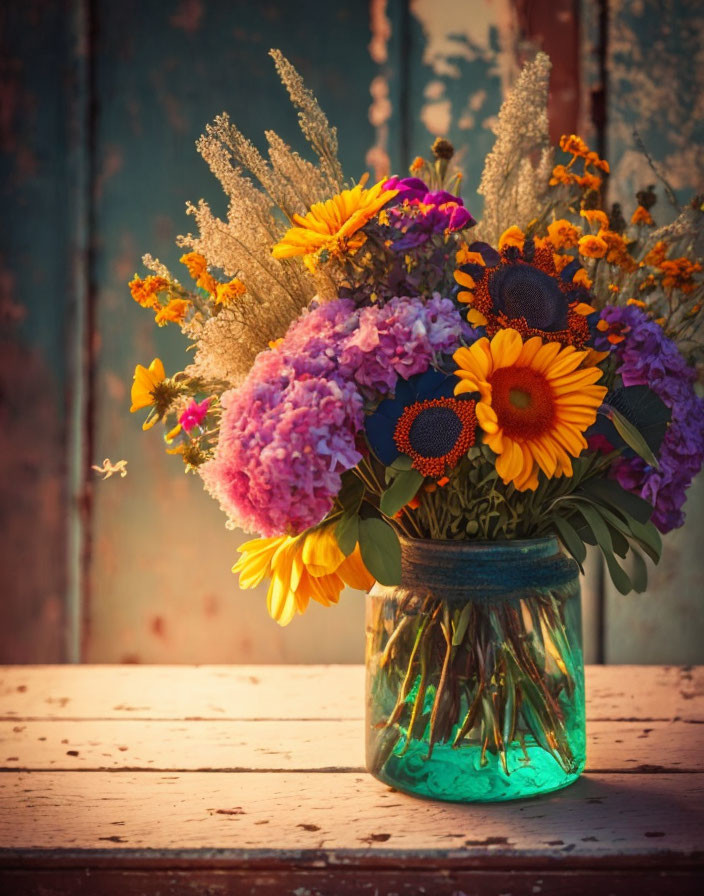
(109, 468)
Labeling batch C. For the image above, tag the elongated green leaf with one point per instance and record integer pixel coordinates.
(619, 541)
(400, 492)
(648, 538)
(632, 437)
(610, 492)
(603, 537)
(381, 551)
(351, 494)
(571, 540)
(460, 627)
(639, 572)
(347, 533)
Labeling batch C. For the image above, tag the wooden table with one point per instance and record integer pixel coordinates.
(238, 780)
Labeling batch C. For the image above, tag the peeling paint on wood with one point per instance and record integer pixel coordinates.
(84, 801)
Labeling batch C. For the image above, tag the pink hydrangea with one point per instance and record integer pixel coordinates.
(284, 443)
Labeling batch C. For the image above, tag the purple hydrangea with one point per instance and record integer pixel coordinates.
(648, 357)
(374, 345)
(289, 431)
(419, 213)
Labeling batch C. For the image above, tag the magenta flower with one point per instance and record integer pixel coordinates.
(194, 414)
(418, 212)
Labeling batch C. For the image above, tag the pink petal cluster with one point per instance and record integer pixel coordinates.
(194, 414)
(288, 433)
(286, 436)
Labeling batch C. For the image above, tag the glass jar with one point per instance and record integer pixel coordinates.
(475, 675)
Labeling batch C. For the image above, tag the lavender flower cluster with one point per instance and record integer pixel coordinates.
(648, 357)
(289, 432)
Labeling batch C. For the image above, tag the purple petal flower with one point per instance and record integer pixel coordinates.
(648, 357)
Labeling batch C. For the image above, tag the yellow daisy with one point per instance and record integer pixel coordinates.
(146, 379)
(536, 402)
(301, 567)
(333, 225)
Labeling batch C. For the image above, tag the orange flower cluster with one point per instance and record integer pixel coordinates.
(145, 291)
(198, 269)
(563, 235)
(228, 293)
(679, 274)
(563, 174)
(642, 216)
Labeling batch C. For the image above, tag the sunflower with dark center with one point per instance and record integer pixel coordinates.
(424, 421)
(521, 289)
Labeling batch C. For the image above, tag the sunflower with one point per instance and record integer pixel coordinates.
(521, 289)
(424, 421)
(301, 567)
(332, 226)
(536, 402)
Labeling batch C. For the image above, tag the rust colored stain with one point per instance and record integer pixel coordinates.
(111, 164)
(211, 605)
(188, 16)
(158, 626)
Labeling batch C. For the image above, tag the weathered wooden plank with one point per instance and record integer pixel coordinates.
(303, 692)
(291, 745)
(617, 819)
(653, 88)
(162, 72)
(37, 151)
(350, 880)
(182, 692)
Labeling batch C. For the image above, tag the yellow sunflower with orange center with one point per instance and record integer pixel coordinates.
(333, 226)
(536, 403)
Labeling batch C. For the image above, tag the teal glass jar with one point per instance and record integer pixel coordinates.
(475, 675)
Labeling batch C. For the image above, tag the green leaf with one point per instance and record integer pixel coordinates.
(619, 541)
(648, 538)
(571, 540)
(639, 572)
(403, 462)
(400, 492)
(351, 494)
(347, 533)
(645, 410)
(632, 437)
(610, 492)
(603, 537)
(461, 624)
(381, 551)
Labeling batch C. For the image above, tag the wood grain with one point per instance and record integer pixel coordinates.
(628, 819)
(291, 745)
(296, 692)
(164, 780)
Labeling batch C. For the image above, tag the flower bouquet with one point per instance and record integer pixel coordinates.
(386, 391)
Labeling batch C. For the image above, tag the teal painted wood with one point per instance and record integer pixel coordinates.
(37, 157)
(162, 70)
(160, 583)
(654, 86)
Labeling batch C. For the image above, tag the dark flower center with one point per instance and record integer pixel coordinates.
(435, 431)
(521, 290)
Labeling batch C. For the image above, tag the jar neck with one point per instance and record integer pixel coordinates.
(472, 570)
